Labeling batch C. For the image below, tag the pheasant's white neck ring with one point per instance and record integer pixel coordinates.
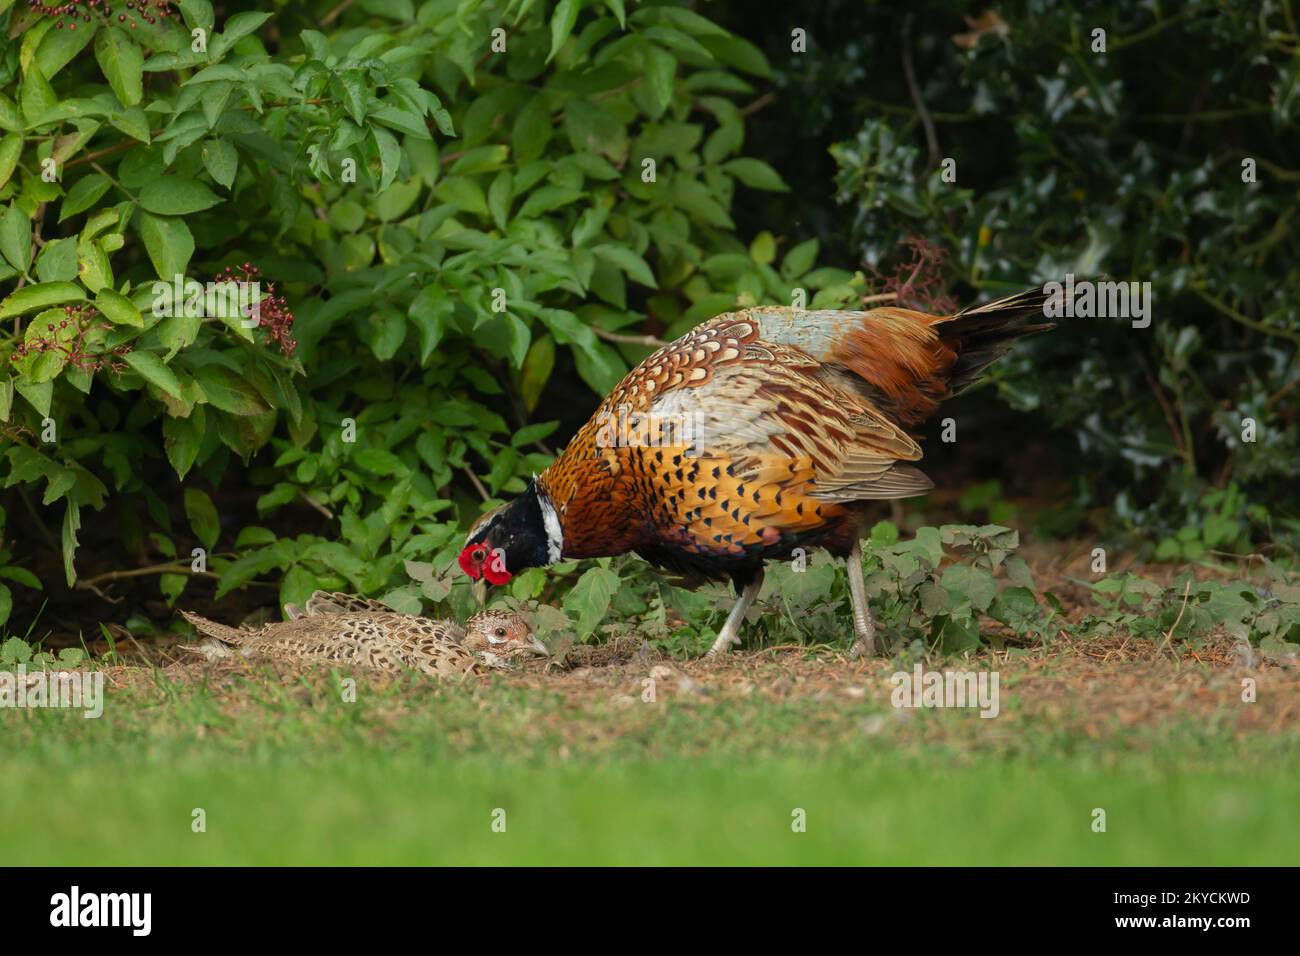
(551, 522)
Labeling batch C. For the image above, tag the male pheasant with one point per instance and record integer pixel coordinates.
(755, 433)
(344, 629)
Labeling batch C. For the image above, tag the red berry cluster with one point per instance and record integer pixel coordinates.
(916, 280)
(274, 314)
(80, 318)
(73, 10)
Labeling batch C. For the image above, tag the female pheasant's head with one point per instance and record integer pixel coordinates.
(526, 533)
(500, 637)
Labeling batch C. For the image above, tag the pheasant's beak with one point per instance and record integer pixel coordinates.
(479, 590)
(537, 647)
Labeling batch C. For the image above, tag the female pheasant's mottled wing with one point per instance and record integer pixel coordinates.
(336, 602)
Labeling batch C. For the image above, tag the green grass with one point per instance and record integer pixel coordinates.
(411, 775)
(399, 810)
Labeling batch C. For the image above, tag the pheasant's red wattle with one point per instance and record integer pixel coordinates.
(467, 564)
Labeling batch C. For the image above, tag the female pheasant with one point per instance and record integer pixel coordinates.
(344, 629)
(755, 433)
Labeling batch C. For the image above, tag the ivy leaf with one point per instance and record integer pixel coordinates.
(972, 584)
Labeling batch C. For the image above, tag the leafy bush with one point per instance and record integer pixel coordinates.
(444, 202)
(1168, 158)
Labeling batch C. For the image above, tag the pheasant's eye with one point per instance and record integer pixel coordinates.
(501, 632)
(479, 553)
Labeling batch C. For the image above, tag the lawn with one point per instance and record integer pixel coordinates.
(711, 772)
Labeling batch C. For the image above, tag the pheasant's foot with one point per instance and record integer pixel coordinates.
(864, 628)
(730, 633)
(723, 644)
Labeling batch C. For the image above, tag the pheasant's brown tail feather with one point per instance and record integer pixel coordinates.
(984, 333)
(231, 635)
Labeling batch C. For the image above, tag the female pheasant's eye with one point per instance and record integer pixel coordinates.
(501, 632)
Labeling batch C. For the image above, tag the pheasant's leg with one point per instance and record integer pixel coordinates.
(864, 628)
(730, 633)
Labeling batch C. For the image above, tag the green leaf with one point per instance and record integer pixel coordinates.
(153, 371)
(16, 238)
(37, 96)
(532, 130)
(379, 461)
(547, 199)
(169, 243)
(625, 259)
(390, 156)
(221, 161)
(71, 525)
(118, 309)
(11, 147)
(799, 260)
(589, 598)
(173, 196)
(236, 28)
(229, 392)
(972, 584)
(133, 122)
(122, 63)
(85, 192)
(40, 296)
(58, 261)
(182, 438)
(429, 311)
(660, 72)
(537, 370)
(756, 174)
(203, 517)
(562, 21)
(39, 395)
(500, 193)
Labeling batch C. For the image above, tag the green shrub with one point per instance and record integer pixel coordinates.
(437, 226)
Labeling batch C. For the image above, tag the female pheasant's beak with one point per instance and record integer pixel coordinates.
(537, 647)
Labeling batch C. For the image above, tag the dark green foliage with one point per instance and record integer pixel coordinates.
(1132, 164)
